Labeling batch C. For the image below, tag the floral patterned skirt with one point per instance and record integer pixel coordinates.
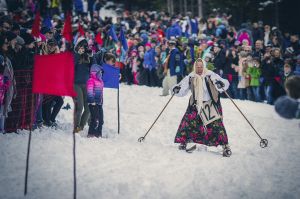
(191, 129)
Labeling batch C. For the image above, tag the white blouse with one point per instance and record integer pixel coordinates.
(185, 87)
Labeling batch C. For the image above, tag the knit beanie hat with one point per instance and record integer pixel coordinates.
(10, 36)
(28, 39)
(148, 44)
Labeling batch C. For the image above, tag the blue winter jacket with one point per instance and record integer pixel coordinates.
(176, 64)
(194, 26)
(174, 30)
(149, 59)
(78, 5)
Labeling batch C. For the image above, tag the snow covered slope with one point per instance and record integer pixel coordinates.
(119, 167)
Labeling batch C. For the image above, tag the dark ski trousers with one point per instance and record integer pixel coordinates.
(51, 107)
(96, 122)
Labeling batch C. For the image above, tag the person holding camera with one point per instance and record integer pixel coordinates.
(83, 62)
(202, 122)
(268, 77)
(254, 72)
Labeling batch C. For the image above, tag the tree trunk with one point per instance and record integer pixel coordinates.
(185, 6)
(200, 9)
(172, 7)
(180, 7)
(192, 7)
(169, 6)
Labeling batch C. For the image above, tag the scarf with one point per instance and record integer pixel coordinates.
(198, 82)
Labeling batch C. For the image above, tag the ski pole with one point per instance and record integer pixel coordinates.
(143, 138)
(263, 142)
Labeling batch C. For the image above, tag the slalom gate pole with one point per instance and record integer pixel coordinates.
(143, 138)
(33, 110)
(74, 153)
(27, 163)
(263, 142)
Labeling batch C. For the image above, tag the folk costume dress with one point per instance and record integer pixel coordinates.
(202, 122)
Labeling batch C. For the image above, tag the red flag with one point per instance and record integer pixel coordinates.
(67, 31)
(54, 74)
(80, 30)
(35, 32)
(98, 39)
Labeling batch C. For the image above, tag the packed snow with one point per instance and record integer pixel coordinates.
(117, 166)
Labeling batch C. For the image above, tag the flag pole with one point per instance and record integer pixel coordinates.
(118, 110)
(118, 101)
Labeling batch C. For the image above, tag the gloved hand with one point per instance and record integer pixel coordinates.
(287, 107)
(220, 84)
(176, 89)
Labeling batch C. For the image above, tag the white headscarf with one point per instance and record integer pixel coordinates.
(198, 82)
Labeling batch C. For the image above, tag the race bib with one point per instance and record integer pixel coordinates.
(209, 113)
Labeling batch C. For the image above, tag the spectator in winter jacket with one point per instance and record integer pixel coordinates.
(174, 30)
(219, 60)
(8, 73)
(258, 50)
(289, 106)
(268, 77)
(149, 66)
(173, 66)
(297, 67)
(267, 35)
(257, 33)
(243, 80)
(295, 44)
(4, 84)
(50, 111)
(83, 62)
(230, 73)
(288, 72)
(95, 101)
(78, 4)
(254, 71)
(278, 65)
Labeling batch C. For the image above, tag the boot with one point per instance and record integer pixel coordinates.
(78, 129)
(226, 151)
(182, 146)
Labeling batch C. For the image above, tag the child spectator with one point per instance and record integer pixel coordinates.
(255, 72)
(95, 101)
